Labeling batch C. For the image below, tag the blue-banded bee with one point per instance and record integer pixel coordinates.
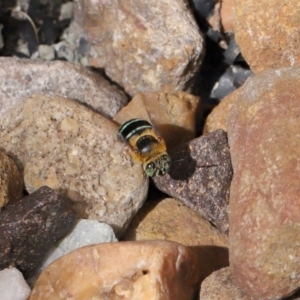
(147, 147)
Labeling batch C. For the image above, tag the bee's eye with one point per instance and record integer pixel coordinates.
(150, 169)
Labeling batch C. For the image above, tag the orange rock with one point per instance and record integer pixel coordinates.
(268, 33)
(126, 270)
(227, 15)
(172, 114)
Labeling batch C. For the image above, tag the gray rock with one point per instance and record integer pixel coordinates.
(143, 46)
(21, 78)
(46, 52)
(29, 227)
(13, 285)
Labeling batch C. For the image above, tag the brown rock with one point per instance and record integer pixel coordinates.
(26, 78)
(227, 15)
(268, 33)
(155, 222)
(64, 145)
(202, 178)
(173, 115)
(29, 227)
(11, 181)
(143, 46)
(221, 285)
(125, 270)
(263, 131)
(217, 119)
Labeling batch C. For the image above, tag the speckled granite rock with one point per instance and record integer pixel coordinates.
(11, 180)
(21, 78)
(263, 133)
(29, 227)
(143, 46)
(65, 145)
(221, 285)
(125, 270)
(268, 33)
(202, 178)
(173, 115)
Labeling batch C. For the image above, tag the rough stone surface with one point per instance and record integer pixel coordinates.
(144, 46)
(217, 119)
(64, 145)
(124, 270)
(227, 15)
(21, 78)
(173, 115)
(268, 33)
(221, 285)
(13, 285)
(11, 180)
(263, 131)
(155, 222)
(202, 178)
(31, 226)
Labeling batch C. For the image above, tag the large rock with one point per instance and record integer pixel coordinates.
(144, 46)
(31, 226)
(124, 270)
(263, 131)
(68, 147)
(11, 180)
(268, 33)
(22, 78)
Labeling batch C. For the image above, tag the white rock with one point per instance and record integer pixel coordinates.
(13, 286)
(46, 52)
(66, 11)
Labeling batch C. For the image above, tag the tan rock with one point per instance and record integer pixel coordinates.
(154, 221)
(11, 180)
(268, 33)
(143, 46)
(70, 148)
(26, 77)
(217, 119)
(227, 15)
(127, 270)
(221, 285)
(171, 220)
(172, 114)
(263, 133)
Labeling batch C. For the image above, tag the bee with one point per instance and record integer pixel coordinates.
(147, 147)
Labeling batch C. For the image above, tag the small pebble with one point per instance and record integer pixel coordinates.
(46, 52)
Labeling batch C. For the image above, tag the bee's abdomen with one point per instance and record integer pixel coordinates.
(133, 127)
(146, 144)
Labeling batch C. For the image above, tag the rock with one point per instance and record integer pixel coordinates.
(46, 52)
(227, 15)
(173, 115)
(263, 131)
(66, 11)
(11, 181)
(155, 222)
(86, 232)
(31, 226)
(217, 119)
(60, 78)
(221, 285)
(268, 40)
(201, 177)
(143, 46)
(13, 286)
(129, 270)
(64, 51)
(64, 145)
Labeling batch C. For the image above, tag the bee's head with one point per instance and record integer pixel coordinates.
(159, 166)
